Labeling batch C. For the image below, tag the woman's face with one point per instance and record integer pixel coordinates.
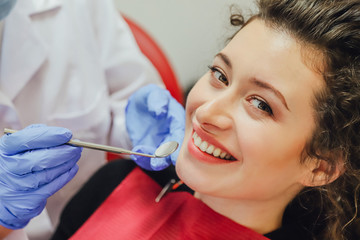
(255, 105)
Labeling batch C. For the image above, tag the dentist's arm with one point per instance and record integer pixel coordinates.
(34, 164)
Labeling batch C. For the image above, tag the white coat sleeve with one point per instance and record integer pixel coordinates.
(126, 68)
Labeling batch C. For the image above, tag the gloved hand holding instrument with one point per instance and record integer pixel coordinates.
(34, 164)
(39, 160)
(152, 118)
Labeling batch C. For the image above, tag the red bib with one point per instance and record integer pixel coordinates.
(130, 212)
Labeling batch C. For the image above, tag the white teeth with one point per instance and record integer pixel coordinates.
(197, 141)
(203, 146)
(209, 148)
(217, 152)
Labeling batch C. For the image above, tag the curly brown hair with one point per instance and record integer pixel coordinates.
(333, 28)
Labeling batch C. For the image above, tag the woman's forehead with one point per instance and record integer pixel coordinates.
(260, 41)
(312, 55)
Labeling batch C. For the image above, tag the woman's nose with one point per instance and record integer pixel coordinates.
(215, 114)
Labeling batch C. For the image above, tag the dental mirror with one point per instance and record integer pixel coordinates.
(162, 151)
(166, 149)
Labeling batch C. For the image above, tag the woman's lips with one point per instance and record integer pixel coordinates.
(205, 137)
(220, 157)
(209, 148)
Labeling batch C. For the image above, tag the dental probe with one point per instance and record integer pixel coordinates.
(162, 151)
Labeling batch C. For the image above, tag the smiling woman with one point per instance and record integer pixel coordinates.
(271, 146)
(283, 98)
(255, 108)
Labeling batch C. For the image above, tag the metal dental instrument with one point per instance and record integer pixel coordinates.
(170, 186)
(166, 189)
(163, 150)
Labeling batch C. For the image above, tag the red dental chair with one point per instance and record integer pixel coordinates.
(157, 57)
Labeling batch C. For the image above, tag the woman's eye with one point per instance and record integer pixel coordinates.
(218, 75)
(261, 105)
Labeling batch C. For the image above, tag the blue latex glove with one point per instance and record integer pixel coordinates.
(154, 117)
(34, 164)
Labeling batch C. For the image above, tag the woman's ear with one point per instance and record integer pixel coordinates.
(320, 173)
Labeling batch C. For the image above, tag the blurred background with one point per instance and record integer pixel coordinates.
(190, 32)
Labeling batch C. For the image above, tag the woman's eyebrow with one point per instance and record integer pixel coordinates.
(268, 86)
(257, 82)
(224, 58)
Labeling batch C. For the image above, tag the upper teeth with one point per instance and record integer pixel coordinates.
(209, 148)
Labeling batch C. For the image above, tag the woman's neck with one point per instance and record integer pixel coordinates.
(261, 216)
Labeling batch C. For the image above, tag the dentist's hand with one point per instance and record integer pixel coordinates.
(154, 117)
(34, 164)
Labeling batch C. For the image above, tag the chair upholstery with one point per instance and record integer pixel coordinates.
(154, 53)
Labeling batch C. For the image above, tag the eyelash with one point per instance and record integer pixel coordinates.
(265, 107)
(222, 78)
